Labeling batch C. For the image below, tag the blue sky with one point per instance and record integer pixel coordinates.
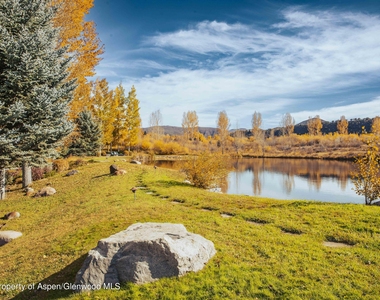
(303, 57)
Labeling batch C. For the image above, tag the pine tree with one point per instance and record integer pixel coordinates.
(88, 138)
(34, 92)
(133, 122)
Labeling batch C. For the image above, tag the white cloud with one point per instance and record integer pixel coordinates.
(357, 110)
(240, 69)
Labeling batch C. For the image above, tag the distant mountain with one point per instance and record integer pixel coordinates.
(354, 126)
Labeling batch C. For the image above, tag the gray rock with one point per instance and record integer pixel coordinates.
(72, 172)
(8, 235)
(46, 191)
(144, 252)
(113, 169)
(12, 215)
(136, 162)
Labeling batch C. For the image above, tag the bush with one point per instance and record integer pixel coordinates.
(12, 175)
(38, 173)
(207, 170)
(60, 165)
(145, 145)
(77, 163)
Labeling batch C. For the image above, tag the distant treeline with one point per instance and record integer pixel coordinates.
(354, 126)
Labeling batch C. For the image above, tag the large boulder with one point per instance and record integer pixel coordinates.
(8, 235)
(144, 252)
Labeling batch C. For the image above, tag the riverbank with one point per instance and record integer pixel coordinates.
(265, 248)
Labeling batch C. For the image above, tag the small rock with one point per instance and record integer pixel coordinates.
(135, 162)
(120, 172)
(46, 191)
(8, 235)
(72, 172)
(29, 191)
(113, 169)
(12, 215)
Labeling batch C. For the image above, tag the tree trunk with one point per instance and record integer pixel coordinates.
(2, 184)
(26, 174)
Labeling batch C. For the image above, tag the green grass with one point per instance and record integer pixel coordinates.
(256, 256)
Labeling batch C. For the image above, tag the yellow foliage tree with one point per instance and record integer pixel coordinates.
(375, 129)
(133, 121)
(190, 125)
(102, 109)
(119, 115)
(84, 47)
(367, 177)
(342, 125)
(223, 125)
(287, 124)
(256, 124)
(314, 125)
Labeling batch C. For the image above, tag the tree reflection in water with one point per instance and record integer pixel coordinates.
(324, 180)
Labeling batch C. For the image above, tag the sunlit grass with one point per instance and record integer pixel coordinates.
(268, 248)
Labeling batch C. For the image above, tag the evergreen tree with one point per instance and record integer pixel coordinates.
(34, 92)
(88, 138)
(133, 122)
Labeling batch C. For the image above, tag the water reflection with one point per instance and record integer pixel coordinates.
(323, 180)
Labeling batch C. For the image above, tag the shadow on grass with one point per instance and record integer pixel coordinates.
(61, 279)
(104, 175)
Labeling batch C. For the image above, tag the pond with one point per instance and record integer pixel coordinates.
(290, 179)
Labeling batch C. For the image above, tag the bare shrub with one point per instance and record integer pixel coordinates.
(38, 173)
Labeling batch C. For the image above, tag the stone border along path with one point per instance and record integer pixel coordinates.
(227, 216)
(336, 245)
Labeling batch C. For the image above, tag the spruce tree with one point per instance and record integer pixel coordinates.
(89, 134)
(34, 92)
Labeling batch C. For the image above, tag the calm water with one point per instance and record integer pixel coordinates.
(309, 179)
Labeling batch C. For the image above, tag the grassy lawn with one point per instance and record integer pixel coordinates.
(266, 249)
